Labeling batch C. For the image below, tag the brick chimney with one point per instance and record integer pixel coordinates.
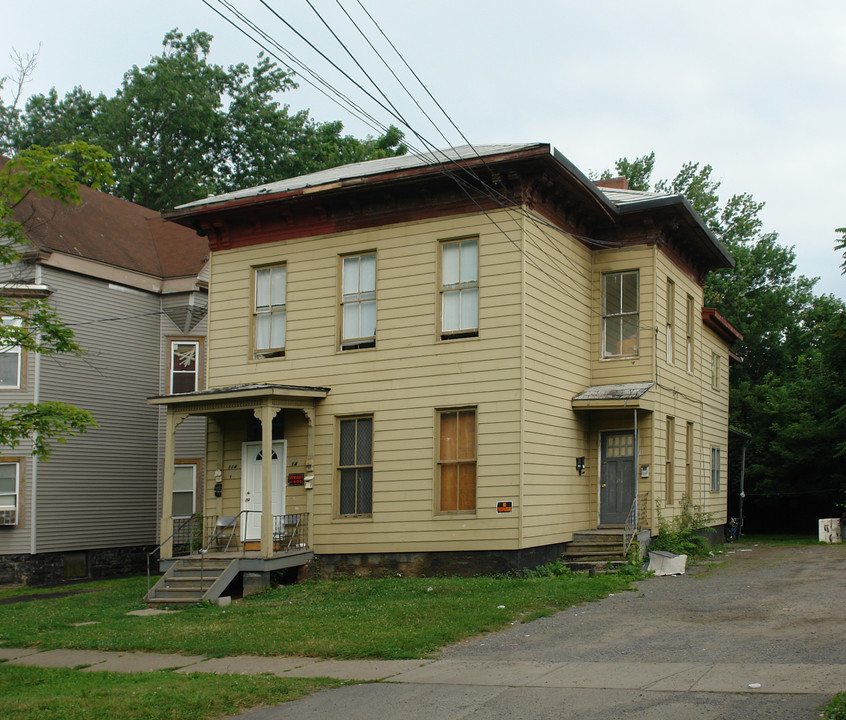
(618, 183)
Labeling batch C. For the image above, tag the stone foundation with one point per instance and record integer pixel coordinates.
(425, 564)
(52, 568)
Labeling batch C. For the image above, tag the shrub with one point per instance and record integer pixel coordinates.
(681, 535)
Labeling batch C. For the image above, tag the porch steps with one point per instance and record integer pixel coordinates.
(595, 549)
(192, 580)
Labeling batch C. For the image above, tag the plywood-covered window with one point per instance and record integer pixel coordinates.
(457, 460)
(620, 314)
(10, 355)
(9, 492)
(459, 288)
(358, 301)
(185, 366)
(270, 312)
(355, 466)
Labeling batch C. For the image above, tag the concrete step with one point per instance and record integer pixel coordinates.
(586, 565)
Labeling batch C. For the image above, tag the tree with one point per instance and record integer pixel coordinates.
(32, 324)
(181, 128)
(789, 391)
(841, 245)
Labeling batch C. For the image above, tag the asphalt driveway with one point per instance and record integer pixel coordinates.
(759, 634)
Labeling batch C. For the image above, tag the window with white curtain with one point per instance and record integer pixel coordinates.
(459, 288)
(358, 301)
(269, 315)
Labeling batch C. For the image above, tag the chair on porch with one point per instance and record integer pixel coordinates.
(285, 532)
(224, 531)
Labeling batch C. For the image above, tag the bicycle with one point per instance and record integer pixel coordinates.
(731, 531)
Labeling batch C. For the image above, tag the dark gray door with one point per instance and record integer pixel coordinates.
(617, 477)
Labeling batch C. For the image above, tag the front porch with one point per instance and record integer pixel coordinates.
(209, 553)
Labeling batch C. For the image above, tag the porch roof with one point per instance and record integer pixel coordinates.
(613, 397)
(240, 393)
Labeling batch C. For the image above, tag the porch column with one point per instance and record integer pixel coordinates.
(268, 412)
(309, 415)
(166, 526)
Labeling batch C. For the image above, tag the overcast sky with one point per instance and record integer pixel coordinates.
(756, 89)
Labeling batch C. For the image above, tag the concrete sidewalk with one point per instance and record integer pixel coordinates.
(771, 678)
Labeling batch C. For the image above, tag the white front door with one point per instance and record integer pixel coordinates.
(251, 491)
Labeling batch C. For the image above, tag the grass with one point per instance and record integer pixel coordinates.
(32, 693)
(836, 709)
(346, 618)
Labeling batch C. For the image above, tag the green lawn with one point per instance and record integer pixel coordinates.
(31, 693)
(347, 618)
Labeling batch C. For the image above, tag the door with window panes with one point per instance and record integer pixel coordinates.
(617, 477)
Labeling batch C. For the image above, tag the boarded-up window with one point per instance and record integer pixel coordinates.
(269, 315)
(358, 301)
(457, 460)
(620, 318)
(460, 289)
(184, 366)
(355, 466)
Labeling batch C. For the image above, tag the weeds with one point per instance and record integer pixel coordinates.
(681, 535)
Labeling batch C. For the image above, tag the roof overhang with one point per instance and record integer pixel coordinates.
(241, 397)
(714, 320)
(621, 396)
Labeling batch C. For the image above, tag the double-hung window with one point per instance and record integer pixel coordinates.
(459, 289)
(269, 314)
(715, 371)
(457, 460)
(689, 343)
(358, 301)
(620, 315)
(669, 488)
(671, 318)
(9, 491)
(184, 366)
(715, 469)
(184, 489)
(10, 358)
(355, 466)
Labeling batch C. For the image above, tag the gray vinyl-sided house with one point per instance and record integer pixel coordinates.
(132, 287)
(454, 363)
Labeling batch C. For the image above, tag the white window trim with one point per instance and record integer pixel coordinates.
(173, 370)
(277, 311)
(193, 466)
(458, 289)
(14, 321)
(9, 513)
(357, 298)
(605, 316)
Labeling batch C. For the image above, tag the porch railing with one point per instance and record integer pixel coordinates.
(630, 527)
(637, 518)
(203, 534)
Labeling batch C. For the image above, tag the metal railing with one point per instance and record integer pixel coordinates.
(630, 527)
(203, 534)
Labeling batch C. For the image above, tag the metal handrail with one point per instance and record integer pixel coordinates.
(630, 527)
(158, 547)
